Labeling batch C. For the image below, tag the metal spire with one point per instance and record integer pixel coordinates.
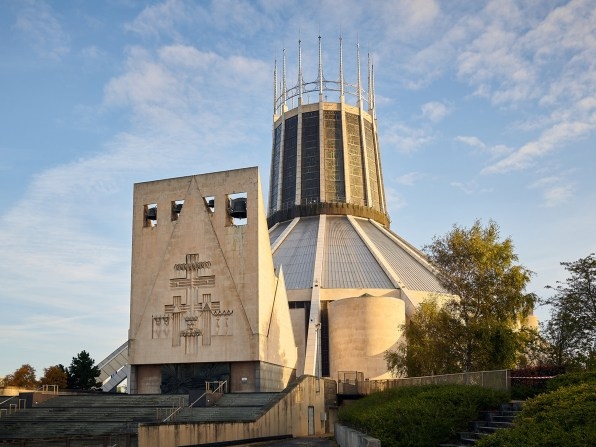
(359, 80)
(341, 69)
(369, 82)
(275, 86)
(299, 71)
(320, 71)
(372, 79)
(285, 86)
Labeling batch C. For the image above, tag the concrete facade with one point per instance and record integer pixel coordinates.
(303, 411)
(374, 327)
(206, 303)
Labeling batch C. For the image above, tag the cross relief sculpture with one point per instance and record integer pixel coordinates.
(175, 310)
(192, 314)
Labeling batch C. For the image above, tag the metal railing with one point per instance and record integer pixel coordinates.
(499, 380)
(221, 385)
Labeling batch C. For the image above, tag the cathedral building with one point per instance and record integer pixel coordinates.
(226, 289)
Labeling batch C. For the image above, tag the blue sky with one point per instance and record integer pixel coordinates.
(486, 109)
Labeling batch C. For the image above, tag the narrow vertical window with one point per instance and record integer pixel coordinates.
(176, 208)
(210, 203)
(237, 210)
(150, 215)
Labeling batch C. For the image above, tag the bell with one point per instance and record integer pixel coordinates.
(237, 208)
(151, 213)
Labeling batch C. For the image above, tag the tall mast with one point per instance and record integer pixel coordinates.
(369, 82)
(341, 69)
(359, 80)
(275, 86)
(299, 71)
(285, 86)
(320, 71)
(372, 79)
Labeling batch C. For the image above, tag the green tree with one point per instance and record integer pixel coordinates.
(427, 349)
(55, 375)
(83, 372)
(482, 271)
(571, 330)
(23, 377)
(480, 329)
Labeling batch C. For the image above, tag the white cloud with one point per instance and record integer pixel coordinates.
(552, 138)
(543, 59)
(558, 195)
(168, 19)
(410, 178)
(435, 111)
(395, 201)
(403, 138)
(161, 18)
(470, 188)
(556, 190)
(183, 76)
(41, 26)
(472, 141)
(497, 72)
(93, 53)
(476, 143)
(405, 18)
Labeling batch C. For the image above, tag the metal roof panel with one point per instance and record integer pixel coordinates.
(347, 261)
(296, 254)
(405, 262)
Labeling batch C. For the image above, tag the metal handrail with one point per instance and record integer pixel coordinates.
(218, 389)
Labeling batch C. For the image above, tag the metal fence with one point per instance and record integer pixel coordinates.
(350, 382)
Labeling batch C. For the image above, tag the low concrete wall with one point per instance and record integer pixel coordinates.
(288, 416)
(348, 437)
(11, 390)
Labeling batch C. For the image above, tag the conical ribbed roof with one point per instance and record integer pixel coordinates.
(357, 253)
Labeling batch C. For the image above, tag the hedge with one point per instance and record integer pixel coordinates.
(565, 417)
(419, 415)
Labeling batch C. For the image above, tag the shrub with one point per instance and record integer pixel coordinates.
(573, 378)
(529, 382)
(419, 415)
(562, 418)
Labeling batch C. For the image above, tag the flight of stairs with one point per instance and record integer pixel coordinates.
(490, 422)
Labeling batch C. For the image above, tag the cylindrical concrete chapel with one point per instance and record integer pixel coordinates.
(361, 330)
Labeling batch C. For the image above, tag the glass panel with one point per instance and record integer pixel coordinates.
(372, 166)
(310, 191)
(355, 159)
(334, 157)
(273, 195)
(288, 188)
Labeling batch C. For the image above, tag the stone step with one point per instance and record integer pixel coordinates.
(101, 415)
(491, 421)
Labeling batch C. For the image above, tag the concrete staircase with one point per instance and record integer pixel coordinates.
(232, 407)
(490, 422)
(77, 419)
(94, 416)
